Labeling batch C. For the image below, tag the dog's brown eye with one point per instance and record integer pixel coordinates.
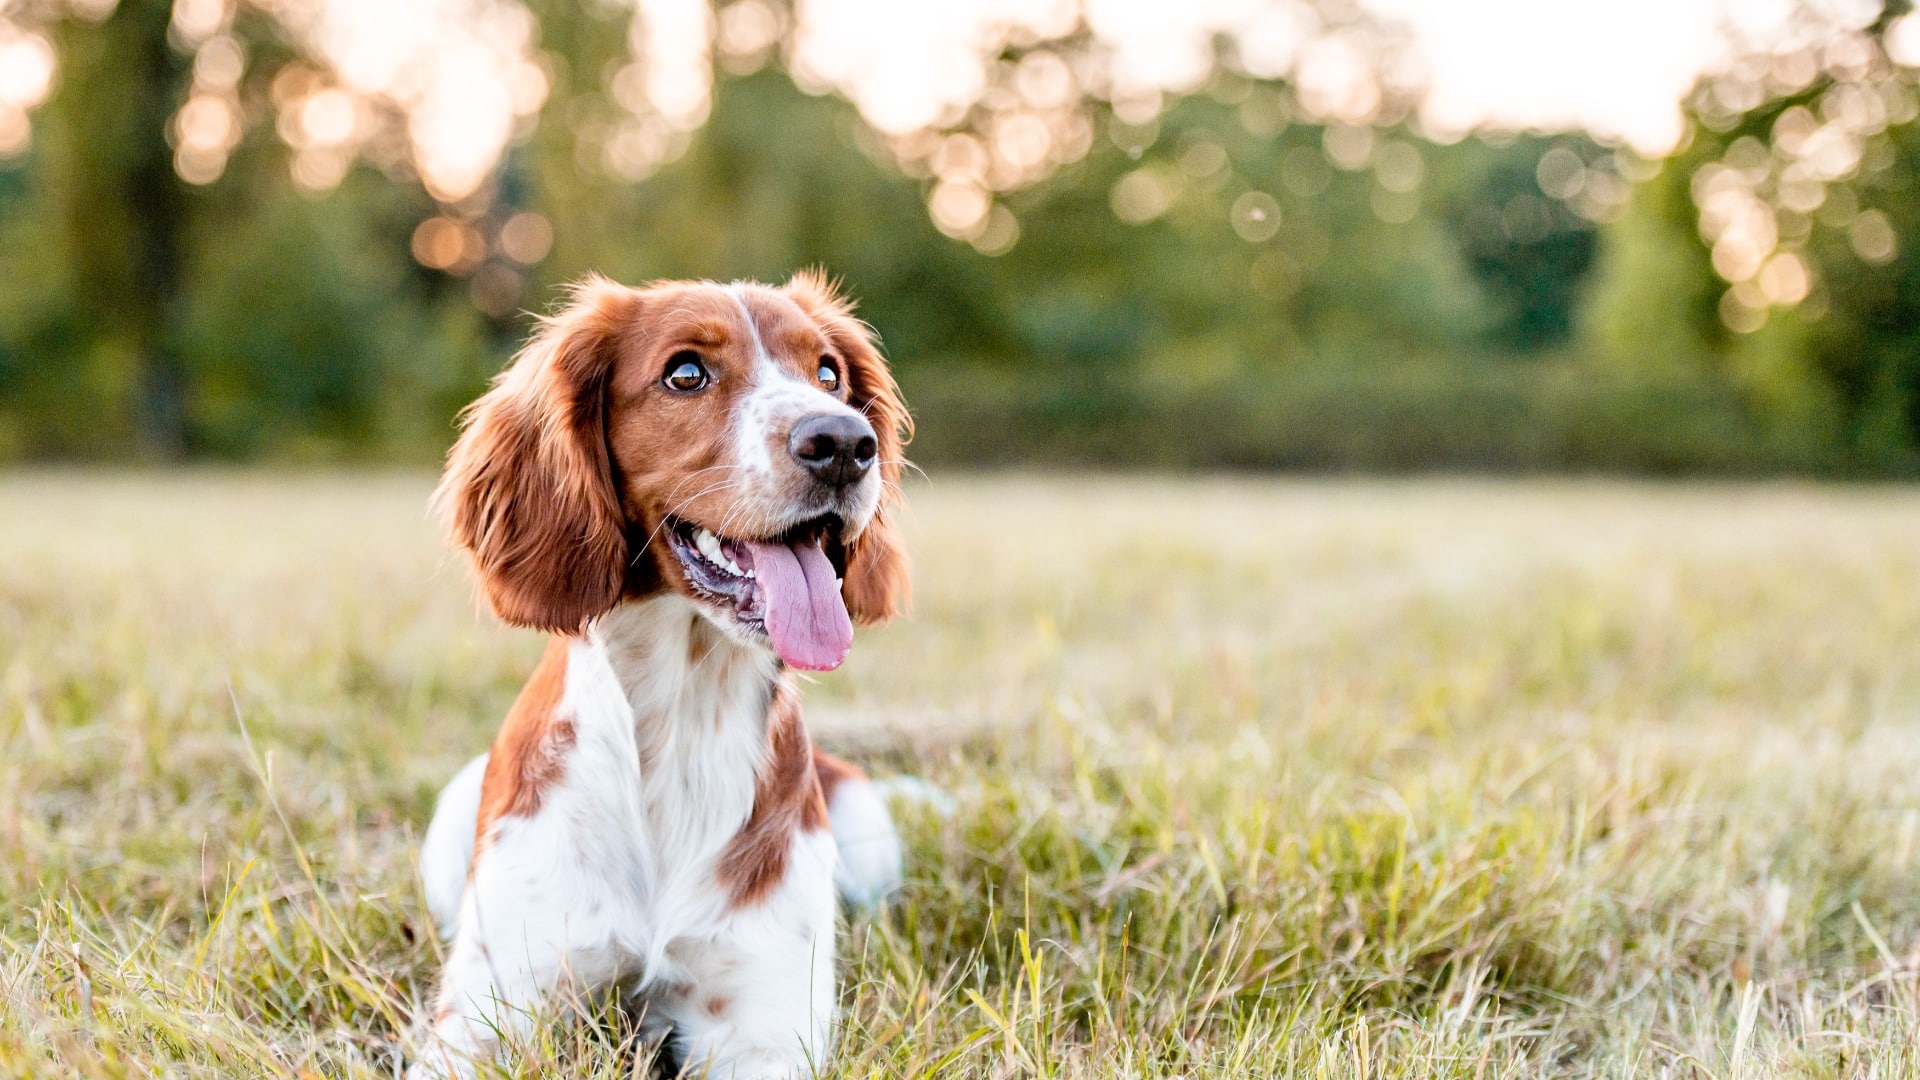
(829, 378)
(686, 372)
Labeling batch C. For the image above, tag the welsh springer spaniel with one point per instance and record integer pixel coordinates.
(693, 487)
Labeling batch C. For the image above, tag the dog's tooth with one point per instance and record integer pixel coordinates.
(708, 545)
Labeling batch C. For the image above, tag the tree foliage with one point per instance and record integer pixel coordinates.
(1232, 277)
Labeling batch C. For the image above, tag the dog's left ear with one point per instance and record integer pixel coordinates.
(879, 577)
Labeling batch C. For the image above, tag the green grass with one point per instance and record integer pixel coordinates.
(1253, 779)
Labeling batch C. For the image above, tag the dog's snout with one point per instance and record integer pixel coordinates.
(836, 448)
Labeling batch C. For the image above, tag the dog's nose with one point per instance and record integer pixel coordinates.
(837, 448)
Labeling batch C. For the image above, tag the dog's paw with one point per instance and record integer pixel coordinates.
(870, 851)
(870, 857)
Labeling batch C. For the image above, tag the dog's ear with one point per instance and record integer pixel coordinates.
(879, 581)
(529, 490)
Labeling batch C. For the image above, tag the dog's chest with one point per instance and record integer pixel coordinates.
(673, 738)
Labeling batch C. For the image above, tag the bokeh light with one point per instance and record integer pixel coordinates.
(960, 207)
(26, 68)
(457, 80)
(986, 97)
(1348, 146)
(1762, 201)
(1398, 167)
(1141, 195)
(526, 238)
(1255, 215)
(1027, 82)
(998, 233)
(444, 243)
(27, 71)
(1872, 237)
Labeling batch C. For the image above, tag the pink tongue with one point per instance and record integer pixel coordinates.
(806, 618)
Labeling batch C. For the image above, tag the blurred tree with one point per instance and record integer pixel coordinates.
(1653, 303)
(118, 212)
(1530, 250)
(272, 255)
(1799, 180)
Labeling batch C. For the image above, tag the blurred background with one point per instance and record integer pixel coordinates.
(1650, 236)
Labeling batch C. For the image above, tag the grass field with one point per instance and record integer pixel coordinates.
(1251, 779)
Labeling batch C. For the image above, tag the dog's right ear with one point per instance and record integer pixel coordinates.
(529, 490)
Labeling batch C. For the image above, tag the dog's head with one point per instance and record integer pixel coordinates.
(738, 444)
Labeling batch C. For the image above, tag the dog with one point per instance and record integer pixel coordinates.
(694, 488)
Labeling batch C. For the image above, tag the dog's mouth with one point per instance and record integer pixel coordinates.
(786, 587)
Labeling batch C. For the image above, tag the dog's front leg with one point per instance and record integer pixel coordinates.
(532, 928)
(758, 999)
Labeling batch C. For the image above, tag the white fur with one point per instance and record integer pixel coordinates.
(447, 849)
(775, 400)
(612, 880)
(869, 847)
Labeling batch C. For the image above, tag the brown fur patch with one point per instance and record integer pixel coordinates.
(833, 772)
(671, 448)
(529, 754)
(529, 489)
(786, 800)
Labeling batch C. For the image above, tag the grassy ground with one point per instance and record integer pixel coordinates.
(1313, 779)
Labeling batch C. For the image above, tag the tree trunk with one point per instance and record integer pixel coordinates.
(124, 212)
(156, 208)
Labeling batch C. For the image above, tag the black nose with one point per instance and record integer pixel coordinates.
(837, 448)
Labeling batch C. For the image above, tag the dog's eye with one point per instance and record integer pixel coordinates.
(829, 378)
(686, 372)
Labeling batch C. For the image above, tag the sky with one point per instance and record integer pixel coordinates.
(1617, 68)
(468, 77)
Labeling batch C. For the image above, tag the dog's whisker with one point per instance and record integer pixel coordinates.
(727, 523)
(903, 462)
(675, 509)
(689, 478)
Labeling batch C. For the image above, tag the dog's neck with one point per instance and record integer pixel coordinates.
(689, 684)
